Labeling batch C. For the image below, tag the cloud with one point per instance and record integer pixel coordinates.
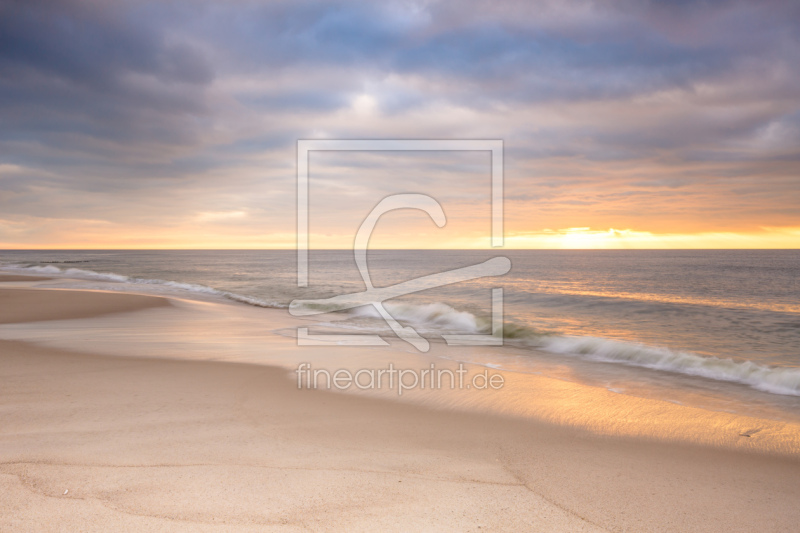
(622, 113)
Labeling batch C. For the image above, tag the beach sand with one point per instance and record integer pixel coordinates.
(108, 443)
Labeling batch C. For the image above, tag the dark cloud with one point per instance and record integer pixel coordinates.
(97, 67)
(90, 77)
(92, 44)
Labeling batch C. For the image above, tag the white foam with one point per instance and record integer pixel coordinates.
(77, 273)
(775, 380)
(440, 317)
(433, 316)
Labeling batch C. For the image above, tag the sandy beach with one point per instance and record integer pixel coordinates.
(91, 442)
(399, 266)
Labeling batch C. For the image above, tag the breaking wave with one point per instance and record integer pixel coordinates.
(765, 378)
(77, 273)
(439, 318)
(432, 316)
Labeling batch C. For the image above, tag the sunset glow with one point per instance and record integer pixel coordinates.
(651, 125)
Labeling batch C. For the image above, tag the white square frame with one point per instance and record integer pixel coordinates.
(306, 146)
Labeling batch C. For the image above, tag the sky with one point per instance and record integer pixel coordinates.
(174, 124)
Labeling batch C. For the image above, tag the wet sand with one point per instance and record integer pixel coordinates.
(95, 443)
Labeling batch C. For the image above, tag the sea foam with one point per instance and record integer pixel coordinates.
(776, 380)
(440, 317)
(77, 273)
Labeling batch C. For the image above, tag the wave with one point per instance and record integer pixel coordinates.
(433, 316)
(439, 317)
(442, 318)
(765, 378)
(78, 273)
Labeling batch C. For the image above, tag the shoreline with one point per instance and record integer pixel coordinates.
(167, 444)
(202, 330)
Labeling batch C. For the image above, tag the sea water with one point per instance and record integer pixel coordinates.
(720, 328)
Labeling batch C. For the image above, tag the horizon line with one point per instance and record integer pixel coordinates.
(294, 250)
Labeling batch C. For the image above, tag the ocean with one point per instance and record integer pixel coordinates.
(719, 329)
